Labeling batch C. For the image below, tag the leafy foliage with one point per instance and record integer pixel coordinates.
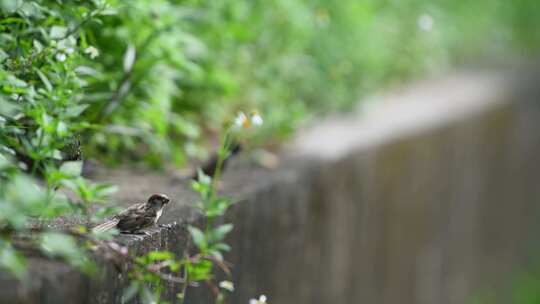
(152, 79)
(42, 83)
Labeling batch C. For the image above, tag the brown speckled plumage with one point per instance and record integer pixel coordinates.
(137, 217)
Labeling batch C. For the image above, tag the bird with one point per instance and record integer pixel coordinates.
(137, 216)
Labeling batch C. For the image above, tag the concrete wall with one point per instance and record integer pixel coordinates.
(430, 195)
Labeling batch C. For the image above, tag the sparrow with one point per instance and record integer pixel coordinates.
(137, 216)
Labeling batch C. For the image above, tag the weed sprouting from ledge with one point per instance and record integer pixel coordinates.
(201, 268)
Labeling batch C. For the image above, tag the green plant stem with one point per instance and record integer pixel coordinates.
(185, 278)
(222, 155)
(79, 25)
(127, 78)
(36, 161)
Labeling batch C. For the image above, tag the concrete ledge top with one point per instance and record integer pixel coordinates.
(408, 110)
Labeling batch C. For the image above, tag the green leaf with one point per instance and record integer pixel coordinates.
(76, 110)
(129, 58)
(185, 127)
(37, 45)
(200, 188)
(217, 207)
(3, 55)
(31, 9)
(160, 255)
(103, 191)
(109, 12)
(147, 297)
(202, 178)
(222, 247)
(7, 108)
(28, 195)
(131, 291)
(199, 271)
(11, 260)
(198, 237)
(57, 244)
(61, 129)
(64, 246)
(9, 5)
(220, 232)
(46, 122)
(16, 82)
(71, 168)
(4, 162)
(216, 254)
(174, 266)
(45, 80)
(57, 32)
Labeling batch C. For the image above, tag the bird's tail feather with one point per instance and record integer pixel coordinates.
(105, 226)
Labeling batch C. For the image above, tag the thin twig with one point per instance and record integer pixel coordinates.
(185, 276)
(213, 288)
(119, 95)
(80, 24)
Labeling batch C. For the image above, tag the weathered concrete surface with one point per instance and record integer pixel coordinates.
(428, 196)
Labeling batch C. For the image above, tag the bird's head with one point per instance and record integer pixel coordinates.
(158, 200)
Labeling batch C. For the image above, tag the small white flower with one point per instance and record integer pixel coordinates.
(241, 120)
(227, 285)
(92, 52)
(61, 57)
(70, 50)
(425, 22)
(256, 119)
(261, 300)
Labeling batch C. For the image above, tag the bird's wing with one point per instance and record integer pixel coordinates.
(106, 226)
(135, 220)
(117, 218)
(130, 209)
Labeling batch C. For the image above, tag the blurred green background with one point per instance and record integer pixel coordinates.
(169, 73)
